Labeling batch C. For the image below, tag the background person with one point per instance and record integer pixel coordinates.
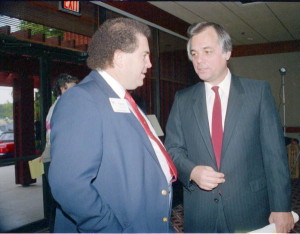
(62, 83)
(227, 143)
(293, 150)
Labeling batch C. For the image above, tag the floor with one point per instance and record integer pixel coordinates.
(18, 205)
(296, 202)
(23, 205)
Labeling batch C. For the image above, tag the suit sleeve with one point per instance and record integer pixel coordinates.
(76, 151)
(274, 154)
(176, 146)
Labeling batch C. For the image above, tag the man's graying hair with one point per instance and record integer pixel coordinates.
(196, 28)
(114, 34)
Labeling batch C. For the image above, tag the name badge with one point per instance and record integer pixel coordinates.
(119, 105)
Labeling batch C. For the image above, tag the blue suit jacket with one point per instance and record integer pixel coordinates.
(254, 158)
(104, 173)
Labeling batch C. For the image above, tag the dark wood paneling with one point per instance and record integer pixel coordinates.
(268, 48)
(292, 129)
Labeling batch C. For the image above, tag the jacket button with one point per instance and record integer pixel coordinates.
(216, 200)
(165, 219)
(164, 192)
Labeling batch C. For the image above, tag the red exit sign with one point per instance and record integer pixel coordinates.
(72, 7)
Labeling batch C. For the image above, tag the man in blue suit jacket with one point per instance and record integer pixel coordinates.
(251, 186)
(106, 174)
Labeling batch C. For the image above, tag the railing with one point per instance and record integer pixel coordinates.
(8, 161)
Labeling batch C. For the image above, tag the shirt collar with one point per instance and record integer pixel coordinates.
(224, 86)
(113, 83)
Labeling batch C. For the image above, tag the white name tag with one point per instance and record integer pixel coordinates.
(119, 105)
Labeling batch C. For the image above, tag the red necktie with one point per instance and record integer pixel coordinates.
(217, 131)
(143, 122)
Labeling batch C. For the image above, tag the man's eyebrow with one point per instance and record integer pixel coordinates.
(203, 48)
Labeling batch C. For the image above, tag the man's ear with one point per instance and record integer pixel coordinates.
(118, 58)
(227, 55)
(62, 89)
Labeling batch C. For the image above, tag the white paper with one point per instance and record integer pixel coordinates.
(154, 122)
(271, 227)
(36, 168)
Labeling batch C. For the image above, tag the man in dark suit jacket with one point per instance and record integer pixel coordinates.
(250, 186)
(106, 174)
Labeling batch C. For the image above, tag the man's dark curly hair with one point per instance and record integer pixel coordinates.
(114, 34)
(61, 81)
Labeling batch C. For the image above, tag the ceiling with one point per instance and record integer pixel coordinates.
(247, 23)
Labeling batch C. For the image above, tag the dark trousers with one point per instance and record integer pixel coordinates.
(49, 202)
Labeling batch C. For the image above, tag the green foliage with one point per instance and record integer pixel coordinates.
(37, 106)
(6, 110)
(40, 29)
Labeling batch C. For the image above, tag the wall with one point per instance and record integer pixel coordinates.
(266, 67)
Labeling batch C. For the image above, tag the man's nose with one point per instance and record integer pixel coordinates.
(149, 64)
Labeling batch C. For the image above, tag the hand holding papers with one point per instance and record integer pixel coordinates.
(36, 168)
(271, 227)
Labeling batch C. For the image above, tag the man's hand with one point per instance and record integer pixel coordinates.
(206, 177)
(284, 221)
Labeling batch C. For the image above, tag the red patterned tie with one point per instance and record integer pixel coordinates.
(143, 122)
(217, 131)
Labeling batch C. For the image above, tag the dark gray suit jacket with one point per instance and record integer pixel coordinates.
(254, 158)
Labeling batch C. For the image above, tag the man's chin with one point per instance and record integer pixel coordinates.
(136, 86)
(141, 83)
(203, 77)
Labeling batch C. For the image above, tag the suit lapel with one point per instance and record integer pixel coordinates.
(139, 128)
(103, 85)
(200, 111)
(130, 117)
(235, 102)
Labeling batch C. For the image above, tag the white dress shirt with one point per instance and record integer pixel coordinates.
(120, 91)
(224, 88)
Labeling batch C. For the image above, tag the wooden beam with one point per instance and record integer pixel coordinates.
(267, 48)
(152, 14)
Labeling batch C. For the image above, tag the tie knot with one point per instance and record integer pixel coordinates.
(215, 89)
(130, 99)
(128, 96)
